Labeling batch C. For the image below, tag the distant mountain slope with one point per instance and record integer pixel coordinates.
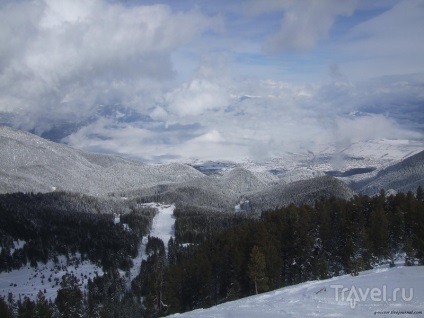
(214, 192)
(404, 176)
(299, 192)
(29, 163)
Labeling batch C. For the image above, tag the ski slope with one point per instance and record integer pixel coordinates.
(384, 292)
(162, 227)
(163, 223)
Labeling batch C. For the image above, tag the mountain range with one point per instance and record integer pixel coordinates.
(29, 163)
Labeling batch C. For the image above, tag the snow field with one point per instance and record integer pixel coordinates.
(369, 294)
(28, 281)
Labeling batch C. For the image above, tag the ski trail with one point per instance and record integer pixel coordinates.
(162, 227)
(163, 223)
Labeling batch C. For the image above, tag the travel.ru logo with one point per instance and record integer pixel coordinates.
(354, 294)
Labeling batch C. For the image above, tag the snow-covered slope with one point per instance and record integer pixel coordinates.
(162, 227)
(30, 163)
(300, 174)
(299, 192)
(386, 292)
(27, 281)
(163, 222)
(374, 153)
(403, 176)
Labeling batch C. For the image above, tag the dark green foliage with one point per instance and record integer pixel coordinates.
(229, 256)
(69, 300)
(49, 230)
(256, 270)
(292, 245)
(42, 307)
(107, 297)
(198, 225)
(26, 308)
(5, 311)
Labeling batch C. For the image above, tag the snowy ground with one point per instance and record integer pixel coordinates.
(28, 281)
(375, 153)
(386, 292)
(163, 222)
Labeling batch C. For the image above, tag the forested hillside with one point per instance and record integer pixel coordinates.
(213, 258)
(296, 244)
(63, 224)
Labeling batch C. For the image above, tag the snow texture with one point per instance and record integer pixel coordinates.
(28, 281)
(369, 294)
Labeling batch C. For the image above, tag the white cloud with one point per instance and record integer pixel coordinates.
(286, 118)
(60, 60)
(304, 22)
(212, 136)
(348, 130)
(197, 97)
(63, 57)
(390, 43)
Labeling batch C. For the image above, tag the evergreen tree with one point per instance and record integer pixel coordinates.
(420, 193)
(42, 307)
(13, 306)
(5, 312)
(379, 233)
(26, 308)
(256, 270)
(69, 300)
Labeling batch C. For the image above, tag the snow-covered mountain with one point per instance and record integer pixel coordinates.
(403, 176)
(388, 292)
(30, 163)
(299, 192)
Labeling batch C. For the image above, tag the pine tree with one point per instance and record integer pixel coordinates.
(5, 312)
(26, 308)
(13, 306)
(379, 233)
(69, 300)
(420, 193)
(42, 307)
(256, 270)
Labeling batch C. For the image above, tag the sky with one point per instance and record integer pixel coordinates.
(231, 80)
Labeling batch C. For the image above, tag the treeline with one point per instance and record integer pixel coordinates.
(58, 224)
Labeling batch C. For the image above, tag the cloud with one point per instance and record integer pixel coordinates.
(196, 97)
(304, 22)
(59, 58)
(183, 83)
(390, 43)
(278, 117)
(368, 127)
(212, 136)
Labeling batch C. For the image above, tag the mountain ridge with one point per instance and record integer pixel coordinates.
(29, 163)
